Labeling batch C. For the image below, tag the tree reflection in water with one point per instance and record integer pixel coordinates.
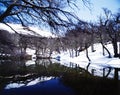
(23, 78)
(18, 74)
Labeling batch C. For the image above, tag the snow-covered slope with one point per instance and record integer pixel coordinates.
(98, 61)
(22, 30)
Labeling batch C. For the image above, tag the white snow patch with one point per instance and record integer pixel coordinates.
(14, 85)
(30, 62)
(40, 79)
(30, 82)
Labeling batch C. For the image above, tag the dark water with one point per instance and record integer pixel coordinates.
(51, 87)
(19, 78)
(43, 77)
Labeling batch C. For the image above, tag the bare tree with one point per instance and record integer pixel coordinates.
(6, 42)
(46, 12)
(112, 26)
(79, 38)
(103, 36)
(24, 41)
(93, 31)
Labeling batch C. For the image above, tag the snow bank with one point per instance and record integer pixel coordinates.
(98, 61)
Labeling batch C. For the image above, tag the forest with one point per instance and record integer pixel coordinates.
(21, 73)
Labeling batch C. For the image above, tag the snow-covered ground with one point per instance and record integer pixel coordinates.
(98, 61)
(22, 30)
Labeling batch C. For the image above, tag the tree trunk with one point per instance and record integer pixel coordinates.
(115, 47)
(86, 47)
(106, 50)
(87, 55)
(92, 42)
(6, 13)
(76, 54)
(71, 53)
(92, 47)
(103, 49)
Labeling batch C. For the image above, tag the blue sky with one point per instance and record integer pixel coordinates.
(96, 9)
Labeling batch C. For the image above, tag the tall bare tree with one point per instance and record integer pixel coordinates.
(79, 38)
(112, 26)
(46, 12)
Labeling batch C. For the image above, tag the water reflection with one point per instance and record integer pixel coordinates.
(14, 85)
(15, 69)
(38, 77)
(27, 82)
(8, 67)
(11, 68)
(103, 70)
(49, 87)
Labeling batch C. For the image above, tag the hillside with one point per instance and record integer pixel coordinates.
(23, 30)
